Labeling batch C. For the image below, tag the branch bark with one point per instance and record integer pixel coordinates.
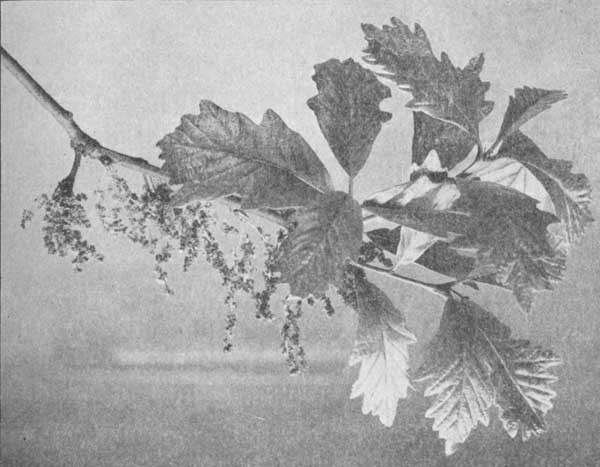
(80, 140)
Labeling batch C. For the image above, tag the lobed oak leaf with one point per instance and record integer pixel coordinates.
(449, 102)
(474, 364)
(381, 350)
(218, 153)
(347, 108)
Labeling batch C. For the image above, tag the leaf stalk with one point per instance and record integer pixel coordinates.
(441, 290)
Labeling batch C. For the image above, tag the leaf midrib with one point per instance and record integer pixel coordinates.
(507, 372)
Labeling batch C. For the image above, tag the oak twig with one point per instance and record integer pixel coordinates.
(84, 145)
(80, 140)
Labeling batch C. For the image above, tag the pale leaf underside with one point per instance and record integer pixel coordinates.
(474, 364)
(570, 192)
(381, 350)
(217, 153)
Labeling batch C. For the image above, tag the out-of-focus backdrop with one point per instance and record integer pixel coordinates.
(128, 71)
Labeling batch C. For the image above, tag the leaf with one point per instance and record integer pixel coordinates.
(526, 104)
(524, 403)
(386, 239)
(381, 349)
(347, 108)
(512, 174)
(217, 153)
(570, 192)
(451, 143)
(526, 274)
(476, 211)
(500, 227)
(523, 274)
(328, 232)
(474, 364)
(427, 177)
(440, 90)
(440, 257)
(412, 245)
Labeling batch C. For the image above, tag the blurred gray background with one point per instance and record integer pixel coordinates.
(128, 72)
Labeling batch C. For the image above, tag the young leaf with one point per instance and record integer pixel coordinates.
(526, 104)
(440, 90)
(347, 108)
(217, 153)
(328, 232)
(475, 364)
(381, 349)
(570, 193)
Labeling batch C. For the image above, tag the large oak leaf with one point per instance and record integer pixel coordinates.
(347, 108)
(473, 363)
(217, 153)
(452, 98)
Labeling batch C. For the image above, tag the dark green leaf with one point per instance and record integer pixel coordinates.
(570, 193)
(217, 153)
(328, 232)
(347, 108)
(386, 239)
(381, 349)
(451, 143)
(526, 104)
(440, 90)
(524, 274)
(475, 364)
